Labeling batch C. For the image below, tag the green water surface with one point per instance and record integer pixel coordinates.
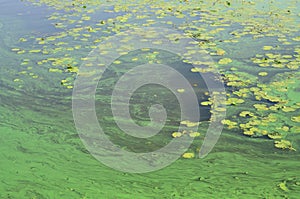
(41, 153)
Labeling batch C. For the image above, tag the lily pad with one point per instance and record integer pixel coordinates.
(284, 144)
(296, 119)
(188, 155)
(225, 61)
(176, 134)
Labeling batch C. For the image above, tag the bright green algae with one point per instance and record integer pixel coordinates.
(44, 158)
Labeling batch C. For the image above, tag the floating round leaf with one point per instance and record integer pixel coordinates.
(261, 107)
(180, 90)
(268, 47)
(248, 132)
(262, 73)
(189, 123)
(176, 134)
(284, 144)
(206, 103)
(288, 109)
(194, 134)
(234, 101)
(225, 61)
(296, 119)
(246, 113)
(283, 186)
(275, 135)
(188, 155)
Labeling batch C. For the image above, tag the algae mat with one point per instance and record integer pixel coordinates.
(39, 165)
(254, 45)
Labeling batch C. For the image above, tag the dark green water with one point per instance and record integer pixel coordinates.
(42, 155)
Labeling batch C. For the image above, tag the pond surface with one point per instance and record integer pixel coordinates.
(252, 48)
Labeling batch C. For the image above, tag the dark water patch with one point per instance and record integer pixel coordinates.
(31, 17)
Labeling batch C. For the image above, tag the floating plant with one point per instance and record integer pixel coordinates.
(261, 102)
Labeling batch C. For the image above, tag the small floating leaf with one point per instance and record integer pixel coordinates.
(267, 47)
(180, 90)
(35, 51)
(189, 123)
(117, 62)
(176, 134)
(275, 135)
(296, 119)
(225, 61)
(261, 107)
(22, 40)
(288, 109)
(284, 144)
(248, 132)
(194, 134)
(262, 73)
(283, 186)
(188, 155)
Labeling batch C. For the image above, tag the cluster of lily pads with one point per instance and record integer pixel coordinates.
(254, 45)
(267, 110)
